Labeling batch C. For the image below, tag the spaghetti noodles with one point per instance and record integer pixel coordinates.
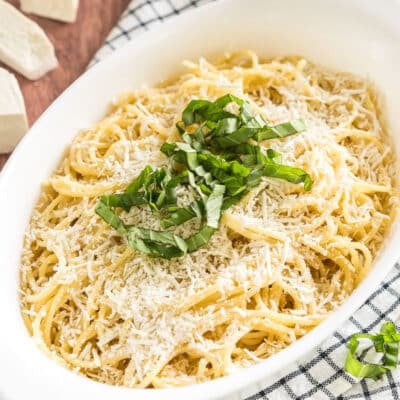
(280, 262)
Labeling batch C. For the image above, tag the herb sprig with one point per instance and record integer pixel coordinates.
(218, 159)
(385, 342)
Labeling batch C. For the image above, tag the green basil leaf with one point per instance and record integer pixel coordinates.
(200, 238)
(160, 237)
(180, 215)
(281, 130)
(386, 342)
(140, 180)
(290, 174)
(193, 109)
(124, 200)
(213, 206)
(240, 136)
(110, 217)
(359, 369)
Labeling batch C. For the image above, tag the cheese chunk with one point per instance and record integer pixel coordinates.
(62, 10)
(13, 123)
(23, 44)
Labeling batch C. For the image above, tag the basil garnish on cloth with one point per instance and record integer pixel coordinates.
(218, 159)
(385, 342)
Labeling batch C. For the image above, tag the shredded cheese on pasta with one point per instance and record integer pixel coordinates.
(280, 262)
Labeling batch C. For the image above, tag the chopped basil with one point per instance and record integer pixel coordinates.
(385, 342)
(217, 161)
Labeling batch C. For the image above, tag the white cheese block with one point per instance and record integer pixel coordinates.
(62, 10)
(13, 122)
(23, 44)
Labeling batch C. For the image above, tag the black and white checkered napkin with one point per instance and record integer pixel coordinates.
(319, 375)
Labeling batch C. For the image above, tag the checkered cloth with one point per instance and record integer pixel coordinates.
(319, 375)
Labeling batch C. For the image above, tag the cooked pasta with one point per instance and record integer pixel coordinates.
(280, 262)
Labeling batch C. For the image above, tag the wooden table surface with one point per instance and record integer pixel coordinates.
(75, 46)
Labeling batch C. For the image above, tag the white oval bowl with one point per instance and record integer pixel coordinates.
(360, 36)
